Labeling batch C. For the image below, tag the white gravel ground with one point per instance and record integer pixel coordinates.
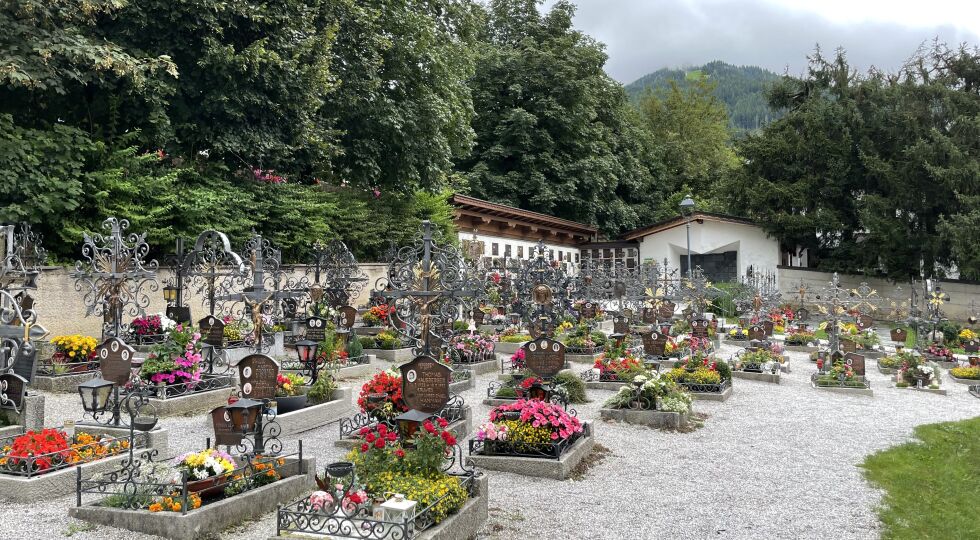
(774, 461)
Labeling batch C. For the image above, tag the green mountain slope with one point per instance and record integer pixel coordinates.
(741, 88)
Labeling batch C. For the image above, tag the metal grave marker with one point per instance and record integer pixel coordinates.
(544, 356)
(212, 331)
(258, 375)
(315, 328)
(115, 360)
(425, 384)
(225, 433)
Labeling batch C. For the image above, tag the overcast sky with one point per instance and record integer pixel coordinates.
(642, 36)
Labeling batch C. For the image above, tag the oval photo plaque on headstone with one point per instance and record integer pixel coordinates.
(212, 331)
(544, 356)
(258, 375)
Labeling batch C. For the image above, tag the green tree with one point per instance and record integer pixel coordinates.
(863, 170)
(554, 133)
(690, 128)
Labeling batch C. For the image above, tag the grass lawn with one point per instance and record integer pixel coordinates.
(932, 485)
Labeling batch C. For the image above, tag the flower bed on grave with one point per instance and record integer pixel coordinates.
(939, 354)
(36, 453)
(703, 375)
(380, 400)
(759, 364)
(196, 495)
(737, 334)
(74, 354)
(531, 437)
(614, 368)
(840, 376)
(446, 499)
(890, 364)
(650, 399)
(919, 373)
(386, 345)
(336, 353)
(175, 370)
(149, 329)
(854, 339)
(581, 340)
(965, 374)
(474, 351)
(563, 389)
(510, 340)
(301, 407)
(800, 340)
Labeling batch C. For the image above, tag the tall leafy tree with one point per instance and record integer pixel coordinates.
(691, 132)
(863, 170)
(554, 133)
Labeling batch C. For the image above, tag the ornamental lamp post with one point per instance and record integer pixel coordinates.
(687, 209)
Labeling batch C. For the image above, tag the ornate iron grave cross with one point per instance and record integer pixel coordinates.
(114, 275)
(864, 302)
(663, 289)
(801, 293)
(832, 303)
(259, 301)
(759, 295)
(698, 293)
(428, 283)
(19, 270)
(336, 278)
(214, 269)
(547, 286)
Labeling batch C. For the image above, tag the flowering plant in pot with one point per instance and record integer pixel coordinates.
(916, 370)
(207, 470)
(939, 352)
(800, 337)
(151, 325)
(381, 397)
(175, 361)
(289, 393)
(75, 353)
(651, 391)
(377, 315)
(616, 367)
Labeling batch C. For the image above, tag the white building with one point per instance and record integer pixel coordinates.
(723, 246)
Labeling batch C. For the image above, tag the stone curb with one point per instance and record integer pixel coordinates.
(558, 469)
(61, 383)
(753, 376)
(317, 415)
(654, 419)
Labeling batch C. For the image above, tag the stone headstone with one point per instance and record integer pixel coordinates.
(856, 361)
(478, 316)
(224, 432)
(258, 375)
(346, 317)
(971, 346)
(544, 356)
(699, 328)
(315, 329)
(768, 326)
(181, 314)
(756, 331)
(212, 331)
(802, 314)
(654, 343)
(848, 346)
(649, 316)
(13, 388)
(115, 360)
(587, 311)
(621, 325)
(666, 310)
(425, 384)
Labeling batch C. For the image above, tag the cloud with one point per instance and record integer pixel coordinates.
(642, 36)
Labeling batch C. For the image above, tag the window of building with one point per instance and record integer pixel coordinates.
(495, 249)
(507, 250)
(520, 252)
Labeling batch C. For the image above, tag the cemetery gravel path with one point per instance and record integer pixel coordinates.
(774, 461)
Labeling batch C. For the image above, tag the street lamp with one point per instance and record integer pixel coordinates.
(687, 209)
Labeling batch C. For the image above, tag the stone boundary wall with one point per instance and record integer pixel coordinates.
(61, 308)
(961, 293)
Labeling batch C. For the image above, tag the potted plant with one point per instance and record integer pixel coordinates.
(289, 393)
(74, 353)
(177, 360)
(207, 471)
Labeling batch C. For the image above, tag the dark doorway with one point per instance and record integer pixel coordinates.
(717, 267)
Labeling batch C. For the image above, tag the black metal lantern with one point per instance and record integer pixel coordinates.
(306, 349)
(408, 423)
(244, 414)
(95, 395)
(170, 293)
(515, 319)
(539, 392)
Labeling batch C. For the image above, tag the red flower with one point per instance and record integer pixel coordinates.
(382, 429)
(370, 438)
(443, 422)
(391, 436)
(400, 453)
(380, 443)
(364, 448)
(429, 427)
(365, 430)
(448, 438)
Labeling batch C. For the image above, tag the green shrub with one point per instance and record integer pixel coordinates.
(460, 325)
(368, 342)
(506, 392)
(355, 348)
(574, 387)
(322, 389)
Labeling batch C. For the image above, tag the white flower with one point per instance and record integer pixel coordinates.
(639, 379)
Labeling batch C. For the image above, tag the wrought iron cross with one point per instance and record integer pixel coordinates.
(698, 292)
(832, 304)
(114, 275)
(545, 284)
(428, 283)
(342, 278)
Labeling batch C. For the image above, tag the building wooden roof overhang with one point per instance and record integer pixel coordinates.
(493, 219)
(699, 217)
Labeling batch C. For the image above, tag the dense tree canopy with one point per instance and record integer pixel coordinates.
(864, 170)
(554, 133)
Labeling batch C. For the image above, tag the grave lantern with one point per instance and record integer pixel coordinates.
(538, 392)
(408, 423)
(170, 293)
(398, 509)
(95, 395)
(306, 350)
(244, 414)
